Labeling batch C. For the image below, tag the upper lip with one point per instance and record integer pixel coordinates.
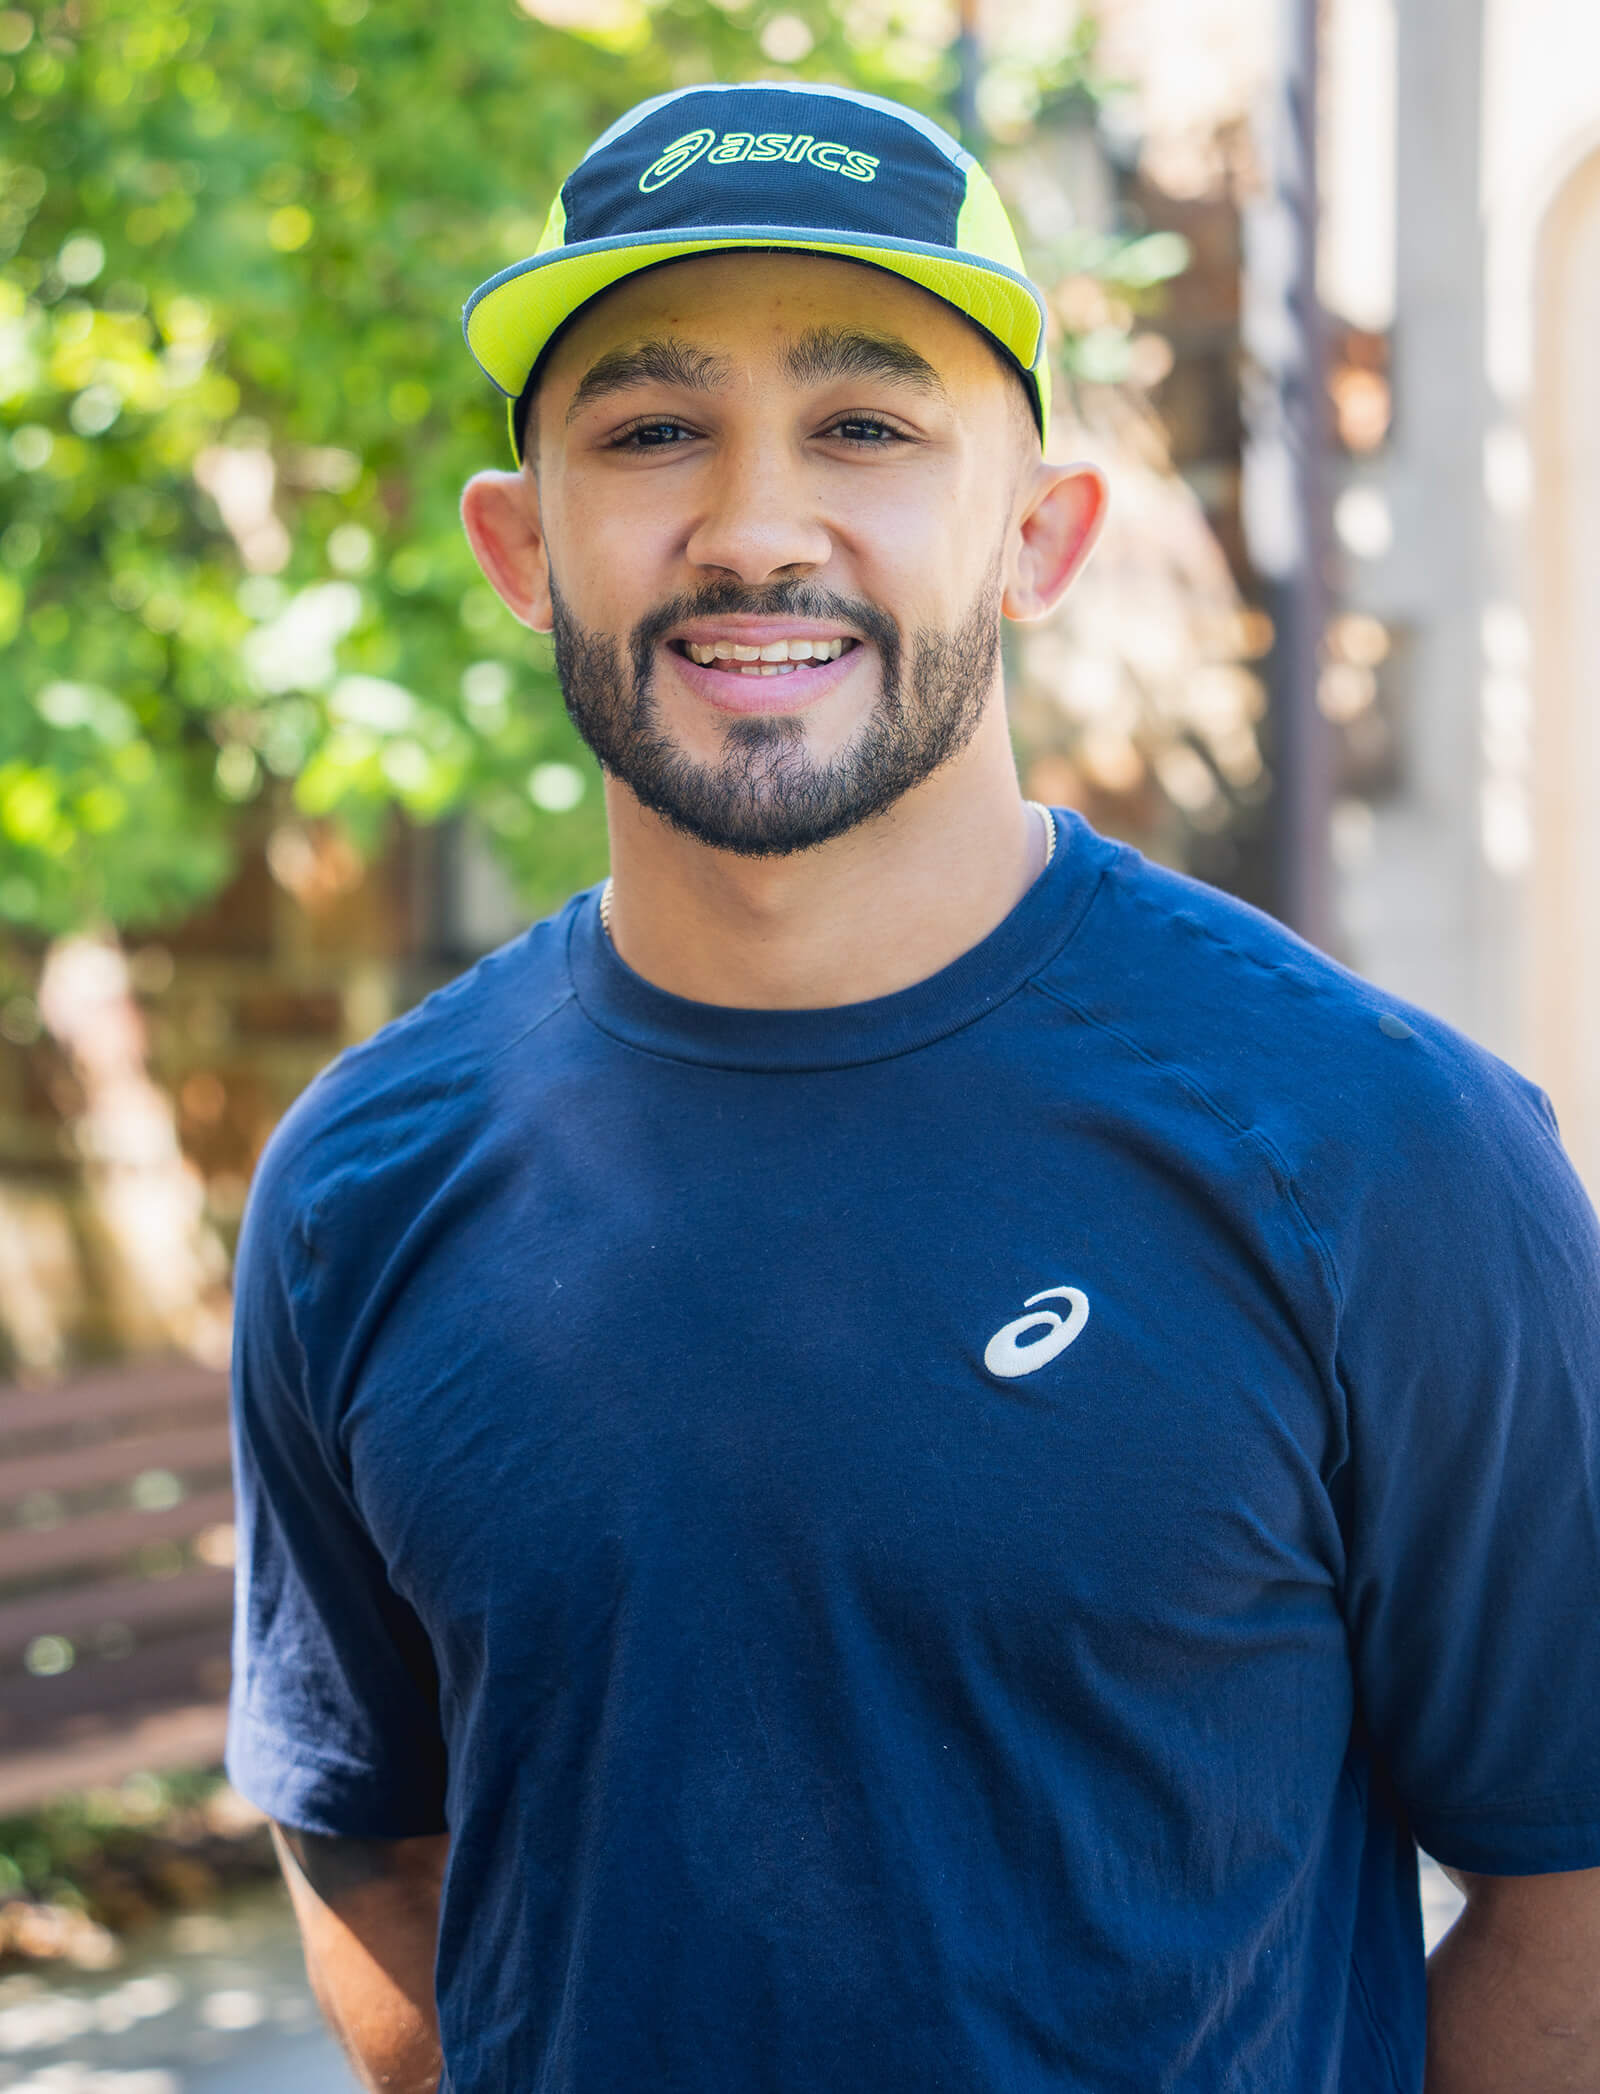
(756, 632)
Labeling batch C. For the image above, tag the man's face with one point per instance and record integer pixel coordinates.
(775, 494)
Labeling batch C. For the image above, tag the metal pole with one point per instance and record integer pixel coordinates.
(1285, 477)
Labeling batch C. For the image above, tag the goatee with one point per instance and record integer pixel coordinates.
(765, 795)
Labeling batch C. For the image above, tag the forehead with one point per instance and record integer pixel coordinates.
(749, 308)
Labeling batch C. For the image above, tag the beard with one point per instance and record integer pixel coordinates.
(765, 795)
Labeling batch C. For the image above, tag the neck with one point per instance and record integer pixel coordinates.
(877, 909)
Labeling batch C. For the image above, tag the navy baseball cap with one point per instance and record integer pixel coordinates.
(810, 169)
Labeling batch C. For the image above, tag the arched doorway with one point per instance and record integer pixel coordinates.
(1564, 426)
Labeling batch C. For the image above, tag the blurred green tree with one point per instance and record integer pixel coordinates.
(236, 413)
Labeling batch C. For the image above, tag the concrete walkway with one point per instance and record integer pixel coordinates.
(213, 2003)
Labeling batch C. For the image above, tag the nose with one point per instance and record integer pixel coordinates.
(759, 521)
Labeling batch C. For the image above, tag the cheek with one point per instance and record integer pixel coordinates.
(923, 551)
(613, 560)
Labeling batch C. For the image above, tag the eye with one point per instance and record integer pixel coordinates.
(655, 434)
(867, 431)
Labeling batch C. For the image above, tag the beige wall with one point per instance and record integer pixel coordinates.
(1564, 431)
(1541, 120)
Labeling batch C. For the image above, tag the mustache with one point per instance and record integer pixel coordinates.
(772, 600)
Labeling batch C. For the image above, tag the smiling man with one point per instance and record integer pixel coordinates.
(899, 1452)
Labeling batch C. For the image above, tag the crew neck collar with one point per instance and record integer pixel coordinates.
(840, 1036)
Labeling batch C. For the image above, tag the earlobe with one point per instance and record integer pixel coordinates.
(1055, 535)
(500, 514)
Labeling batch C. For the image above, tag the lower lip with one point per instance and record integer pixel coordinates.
(805, 683)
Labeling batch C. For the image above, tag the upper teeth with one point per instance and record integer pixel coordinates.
(778, 651)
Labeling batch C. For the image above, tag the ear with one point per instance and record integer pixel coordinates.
(500, 513)
(1062, 509)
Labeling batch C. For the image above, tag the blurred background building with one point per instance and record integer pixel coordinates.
(1460, 248)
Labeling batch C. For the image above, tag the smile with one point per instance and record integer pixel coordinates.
(777, 658)
(743, 669)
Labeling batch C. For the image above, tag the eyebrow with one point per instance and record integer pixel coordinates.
(664, 361)
(824, 353)
(816, 357)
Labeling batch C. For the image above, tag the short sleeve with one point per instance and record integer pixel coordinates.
(333, 1723)
(1470, 1357)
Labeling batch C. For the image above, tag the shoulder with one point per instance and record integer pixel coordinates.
(1361, 1097)
(389, 1114)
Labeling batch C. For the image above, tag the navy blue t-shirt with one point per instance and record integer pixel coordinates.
(941, 1546)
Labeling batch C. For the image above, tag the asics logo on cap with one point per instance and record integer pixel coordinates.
(762, 164)
(734, 146)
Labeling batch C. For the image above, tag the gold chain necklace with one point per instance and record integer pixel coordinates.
(1038, 807)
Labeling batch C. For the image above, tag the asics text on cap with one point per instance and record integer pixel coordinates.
(810, 169)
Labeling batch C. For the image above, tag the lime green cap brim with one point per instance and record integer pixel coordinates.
(512, 318)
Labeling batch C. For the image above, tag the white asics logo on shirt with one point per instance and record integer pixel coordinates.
(1006, 1354)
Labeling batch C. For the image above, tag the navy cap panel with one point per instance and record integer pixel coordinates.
(768, 156)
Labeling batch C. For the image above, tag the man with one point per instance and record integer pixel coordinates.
(900, 1452)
